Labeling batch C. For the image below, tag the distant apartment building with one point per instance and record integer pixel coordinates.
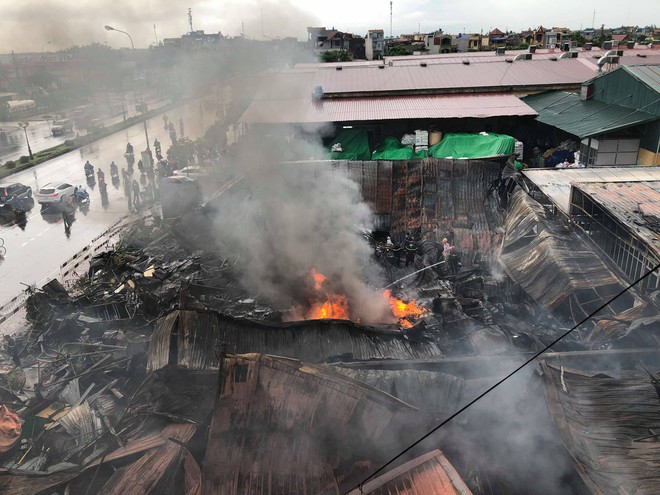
(374, 45)
(320, 39)
(438, 42)
(467, 43)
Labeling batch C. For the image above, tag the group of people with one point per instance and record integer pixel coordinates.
(394, 253)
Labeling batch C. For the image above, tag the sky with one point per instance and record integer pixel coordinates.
(65, 23)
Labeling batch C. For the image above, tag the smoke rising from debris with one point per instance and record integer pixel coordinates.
(67, 24)
(288, 219)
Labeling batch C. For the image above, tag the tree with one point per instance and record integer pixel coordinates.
(397, 50)
(336, 56)
(182, 152)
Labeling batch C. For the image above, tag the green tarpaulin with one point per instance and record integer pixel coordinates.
(473, 146)
(392, 149)
(354, 145)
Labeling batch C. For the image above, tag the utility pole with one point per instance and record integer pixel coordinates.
(390, 18)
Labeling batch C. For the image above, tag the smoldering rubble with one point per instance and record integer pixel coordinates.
(185, 359)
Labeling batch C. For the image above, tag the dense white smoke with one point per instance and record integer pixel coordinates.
(287, 219)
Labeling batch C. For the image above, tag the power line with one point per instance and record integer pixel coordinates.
(500, 382)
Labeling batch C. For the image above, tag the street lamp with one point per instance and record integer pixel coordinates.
(139, 97)
(42, 49)
(24, 126)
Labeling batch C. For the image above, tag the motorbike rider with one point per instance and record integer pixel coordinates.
(114, 170)
(89, 168)
(79, 193)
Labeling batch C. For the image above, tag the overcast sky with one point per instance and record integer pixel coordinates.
(28, 24)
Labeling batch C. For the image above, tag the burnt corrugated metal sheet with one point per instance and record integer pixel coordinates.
(154, 472)
(429, 474)
(312, 341)
(554, 267)
(385, 108)
(634, 204)
(427, 390)
(285, 427)
(584, 118)
(608, 426)
(441, 196)
(556, 183)
(17, 483)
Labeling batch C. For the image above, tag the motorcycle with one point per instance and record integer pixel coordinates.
(91, 180)
(130, 158)
(81, 198)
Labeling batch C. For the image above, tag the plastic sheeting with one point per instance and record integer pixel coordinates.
(484, 145)
(393, 149)
(353, 143)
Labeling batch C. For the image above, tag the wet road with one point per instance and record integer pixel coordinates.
(36, 242)
(12, 138)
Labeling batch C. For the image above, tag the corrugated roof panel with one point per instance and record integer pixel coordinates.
(372, 79)
(429, 474)
(387, 108)
(604, 422)
(584, 118)
(556, 183)
(632, 204)
(648, 74)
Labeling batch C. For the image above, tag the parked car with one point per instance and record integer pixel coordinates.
(192, 172)
(16, 190)
(54, 192)
(61, 127)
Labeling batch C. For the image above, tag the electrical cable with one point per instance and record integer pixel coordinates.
(359, 486)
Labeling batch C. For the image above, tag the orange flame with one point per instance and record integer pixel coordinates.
(319, 278)
(404, 311)
(335, 306)
(328, 305)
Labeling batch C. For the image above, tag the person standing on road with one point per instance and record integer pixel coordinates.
(136, 193)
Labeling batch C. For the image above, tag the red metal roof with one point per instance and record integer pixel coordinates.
(386, 108)
(397, 78)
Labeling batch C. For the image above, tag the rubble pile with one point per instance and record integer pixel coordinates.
(123, 372)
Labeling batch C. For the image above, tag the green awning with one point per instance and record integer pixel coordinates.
(584, 118)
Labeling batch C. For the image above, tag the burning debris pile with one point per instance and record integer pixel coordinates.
(156, 371)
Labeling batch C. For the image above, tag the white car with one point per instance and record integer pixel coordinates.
(192, 172)
(54, 192)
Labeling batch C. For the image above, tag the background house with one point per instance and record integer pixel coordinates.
(374, 45)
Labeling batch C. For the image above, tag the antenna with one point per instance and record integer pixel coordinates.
(190, 19)
(390, 18)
